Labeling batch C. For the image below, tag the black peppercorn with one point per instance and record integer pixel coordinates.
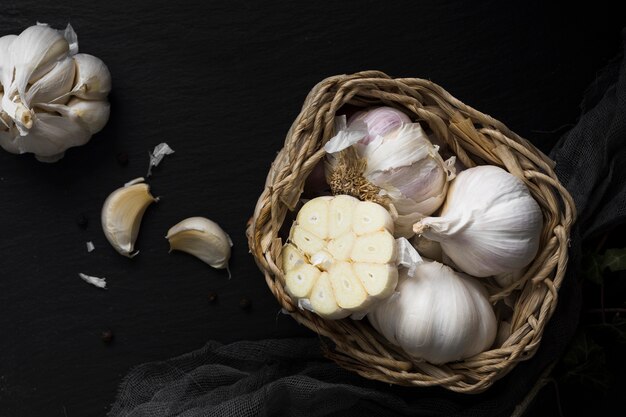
(245, 303)
(212, 296)
(82, 221)
(106, 336)
(122, 158)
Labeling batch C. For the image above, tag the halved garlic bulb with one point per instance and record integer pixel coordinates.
(341, 257)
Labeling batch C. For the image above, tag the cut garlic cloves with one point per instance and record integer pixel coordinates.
(341, 258)
(203, 239)
(122, 213)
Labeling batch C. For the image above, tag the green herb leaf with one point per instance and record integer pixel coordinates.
(585, 362)
(614, 259)
(593, 270)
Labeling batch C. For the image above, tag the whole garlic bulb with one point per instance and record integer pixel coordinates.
(408, 169)
(439, 315)
(400, 160)
(51, 97)
(490, 223)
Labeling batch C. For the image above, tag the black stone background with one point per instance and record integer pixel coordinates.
(221, 82)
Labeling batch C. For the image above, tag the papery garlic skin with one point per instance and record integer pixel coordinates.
(121, 215)
(490, 223)
(41, 70)
(202, 238)
(439, 315)
(379, 121)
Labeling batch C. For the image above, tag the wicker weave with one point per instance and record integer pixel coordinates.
(476, 139)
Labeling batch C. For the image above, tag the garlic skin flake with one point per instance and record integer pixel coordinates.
(438, 316)
(202, 238)
(51, 97)
(95, 281)
(490, 223)
(122, 213)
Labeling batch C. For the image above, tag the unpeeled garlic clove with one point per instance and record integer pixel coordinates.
(55, 84)
(203, 239)
(122, 212)
(34, 52)
(93, 79)
(6, 69)
(93, 115)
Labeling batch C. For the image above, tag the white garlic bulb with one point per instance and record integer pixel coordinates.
(400, 160)
(408, 168)
(51, 98)
(438, 316)
(490, 223)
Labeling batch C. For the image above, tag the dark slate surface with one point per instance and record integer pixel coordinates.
(221, 82)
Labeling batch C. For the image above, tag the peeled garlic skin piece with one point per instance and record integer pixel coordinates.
(122, 213)
(490, 224)
(202, 238)
(439, 315)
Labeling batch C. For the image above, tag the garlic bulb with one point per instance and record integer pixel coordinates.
(400, 160)
(341, 257)
(44, 85)
(438, 316)
(490, 224)
(202, 238)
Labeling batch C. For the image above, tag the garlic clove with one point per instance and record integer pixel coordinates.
(306, 241)
(370, 217)
(51, 134)
(56, 83)
(377, 247)
(93, 115)
(322, 299)
(300, 280)
(34, 52)
(341, 247)
(292, 257)
(313, 217)
(347, 287)
(93, 79)
(122, 213)
(202, 238)
(340, 215)
(6, 68)
(323, 260)
(379, 280)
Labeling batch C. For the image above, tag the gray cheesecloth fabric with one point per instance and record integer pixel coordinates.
(290, 377)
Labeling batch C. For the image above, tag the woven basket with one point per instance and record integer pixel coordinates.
(476, 139)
